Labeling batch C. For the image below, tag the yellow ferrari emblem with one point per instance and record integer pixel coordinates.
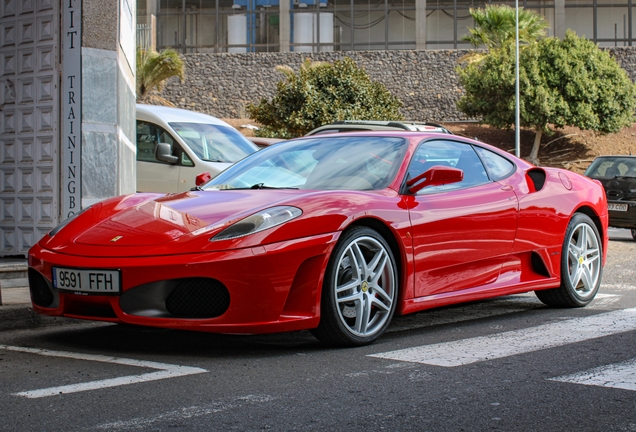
(114, 239)
(581, 260)
(365, 286)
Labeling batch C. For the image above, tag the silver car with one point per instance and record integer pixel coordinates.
(175, 145)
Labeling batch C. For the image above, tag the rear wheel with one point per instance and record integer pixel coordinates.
(359, 291)
(581, 266)
(634, 234)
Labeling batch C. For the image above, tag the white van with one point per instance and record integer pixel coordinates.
(175, 145)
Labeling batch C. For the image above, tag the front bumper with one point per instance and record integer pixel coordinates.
(272, 288)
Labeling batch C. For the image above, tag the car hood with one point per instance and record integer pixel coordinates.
(168, 218)
(185, 223)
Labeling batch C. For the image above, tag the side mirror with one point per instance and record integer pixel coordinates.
(163, 152)
(202, 178)
(437, 175)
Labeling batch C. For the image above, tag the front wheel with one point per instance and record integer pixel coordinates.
(634, 233)
(581, 266)
(359, 291)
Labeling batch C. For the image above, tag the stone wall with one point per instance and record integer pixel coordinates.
(224, 84)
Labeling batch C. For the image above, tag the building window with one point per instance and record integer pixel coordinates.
(191, 26)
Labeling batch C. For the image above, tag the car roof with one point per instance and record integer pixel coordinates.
(417, 137)
(360, 125)
(160, 114)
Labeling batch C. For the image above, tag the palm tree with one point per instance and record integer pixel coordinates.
(495, 26)
(153, 69)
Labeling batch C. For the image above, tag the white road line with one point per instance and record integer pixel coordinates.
(186, 413)
(472, 311)
(515, 342)
(619, 287)
(166, 371)
(619, 375)
(602, 301)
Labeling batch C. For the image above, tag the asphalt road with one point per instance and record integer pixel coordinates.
(508, 364)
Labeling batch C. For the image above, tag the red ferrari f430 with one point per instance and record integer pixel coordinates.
(333, 234)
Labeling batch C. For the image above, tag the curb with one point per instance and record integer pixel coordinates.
(21, 316)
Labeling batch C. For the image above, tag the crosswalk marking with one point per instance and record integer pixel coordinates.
(515, 342)
(473, 311)
(619, 375)
(165, 371)
(618, 287)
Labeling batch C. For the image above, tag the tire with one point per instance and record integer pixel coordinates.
(581, 266)
(359, 291)
(633, 233)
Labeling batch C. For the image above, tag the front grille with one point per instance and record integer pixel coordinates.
(41, 293)
(198, 298)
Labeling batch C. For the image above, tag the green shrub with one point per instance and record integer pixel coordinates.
(563, 82)
(322, 93)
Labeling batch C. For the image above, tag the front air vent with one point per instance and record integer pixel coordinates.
(198, 298)
(537, 177)
(41, 293)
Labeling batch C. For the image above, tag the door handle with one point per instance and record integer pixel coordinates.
(507, 188)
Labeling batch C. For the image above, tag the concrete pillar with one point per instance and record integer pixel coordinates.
(420, 24)
(108, 99)
(559, 18)
(151, 22)
(284, 26)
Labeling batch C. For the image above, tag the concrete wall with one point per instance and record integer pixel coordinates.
(223, 84)
(108, 102)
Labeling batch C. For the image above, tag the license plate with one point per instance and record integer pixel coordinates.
(87, 281)
(617, 207)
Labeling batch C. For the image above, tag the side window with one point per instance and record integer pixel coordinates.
(185, 160)
(148, 135)
(448, 153)
(498, 167)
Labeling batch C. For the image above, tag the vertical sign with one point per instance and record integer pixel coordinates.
(71, 97)
(127, 31)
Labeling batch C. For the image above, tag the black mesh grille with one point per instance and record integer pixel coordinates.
(198, 298)
(41, 294)
(538, 178)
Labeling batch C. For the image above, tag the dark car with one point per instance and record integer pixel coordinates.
(618, 175)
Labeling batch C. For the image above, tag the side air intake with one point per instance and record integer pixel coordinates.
(538, 265)
(536, 179)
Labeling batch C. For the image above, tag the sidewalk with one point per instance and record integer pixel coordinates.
(15, 308)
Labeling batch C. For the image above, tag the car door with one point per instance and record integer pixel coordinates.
(462, 232)
(154, 175)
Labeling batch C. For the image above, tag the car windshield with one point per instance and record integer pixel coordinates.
(214, 143)
(611, 167)
(322, 163)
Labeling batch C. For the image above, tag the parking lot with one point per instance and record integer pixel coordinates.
(504, 364)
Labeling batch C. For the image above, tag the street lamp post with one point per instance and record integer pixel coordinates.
(517, 121)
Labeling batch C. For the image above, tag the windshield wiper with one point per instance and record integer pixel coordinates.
(262, 186)
(255, 186)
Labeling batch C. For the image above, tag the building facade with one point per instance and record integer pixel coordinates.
(67, 117)
(215, 26)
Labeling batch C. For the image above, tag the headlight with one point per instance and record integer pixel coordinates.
(66, 222)
(260, 221)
